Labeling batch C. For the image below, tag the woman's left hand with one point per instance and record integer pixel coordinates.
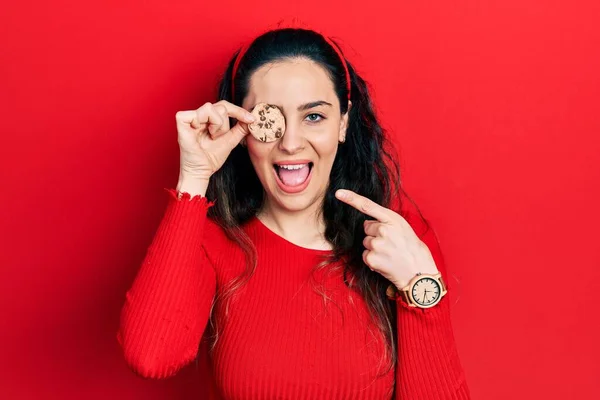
(392, 247)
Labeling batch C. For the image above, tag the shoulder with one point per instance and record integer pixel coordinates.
(223, 252)
(215, 237)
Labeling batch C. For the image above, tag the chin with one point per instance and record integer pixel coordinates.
(295, 203)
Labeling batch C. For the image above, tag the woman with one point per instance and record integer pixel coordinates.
(299, 252)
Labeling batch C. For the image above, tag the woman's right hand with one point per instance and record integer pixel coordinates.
(206, 139)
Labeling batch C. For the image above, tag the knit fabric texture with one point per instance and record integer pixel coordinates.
(281, 339)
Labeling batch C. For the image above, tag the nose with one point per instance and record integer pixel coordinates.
(292, 141)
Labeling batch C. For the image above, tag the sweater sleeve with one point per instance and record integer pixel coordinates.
(428, 362)
(168, 305)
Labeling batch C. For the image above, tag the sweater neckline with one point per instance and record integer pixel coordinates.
(284, 242)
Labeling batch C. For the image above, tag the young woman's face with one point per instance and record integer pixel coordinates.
(294, 170)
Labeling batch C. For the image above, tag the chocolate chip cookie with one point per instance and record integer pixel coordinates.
(270, 123)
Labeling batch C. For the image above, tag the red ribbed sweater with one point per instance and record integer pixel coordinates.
(279, 341)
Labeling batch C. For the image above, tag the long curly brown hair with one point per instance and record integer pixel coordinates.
(364, 164)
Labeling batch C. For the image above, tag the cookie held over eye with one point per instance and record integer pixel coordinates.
(269, 124)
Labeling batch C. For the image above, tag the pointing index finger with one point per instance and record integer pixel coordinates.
(364, 205)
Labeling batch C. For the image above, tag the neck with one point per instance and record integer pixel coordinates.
(304, 228)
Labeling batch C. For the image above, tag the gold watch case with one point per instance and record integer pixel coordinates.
(423, 290)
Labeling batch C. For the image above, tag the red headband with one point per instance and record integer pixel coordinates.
(245, 48)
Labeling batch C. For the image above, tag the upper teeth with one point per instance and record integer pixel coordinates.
(293, 166)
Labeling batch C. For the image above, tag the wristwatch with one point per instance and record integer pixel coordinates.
(423, 291)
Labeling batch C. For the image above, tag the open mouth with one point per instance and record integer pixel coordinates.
(293, 177)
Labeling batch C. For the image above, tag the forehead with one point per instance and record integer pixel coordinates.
(290, 83)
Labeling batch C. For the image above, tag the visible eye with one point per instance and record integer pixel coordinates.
(315, 118)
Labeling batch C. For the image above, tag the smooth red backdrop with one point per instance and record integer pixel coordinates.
(494, 105)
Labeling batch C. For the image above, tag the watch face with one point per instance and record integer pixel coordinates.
(426, 291)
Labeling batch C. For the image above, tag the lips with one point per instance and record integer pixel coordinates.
(293, 176)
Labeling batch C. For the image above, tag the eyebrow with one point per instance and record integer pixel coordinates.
(308, 106)
(313, 104)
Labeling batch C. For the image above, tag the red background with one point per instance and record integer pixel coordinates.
(494, 105)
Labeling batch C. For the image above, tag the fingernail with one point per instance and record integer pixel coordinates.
(250, 117)
(340, 194)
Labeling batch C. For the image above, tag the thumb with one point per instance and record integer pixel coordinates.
(236, 134)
